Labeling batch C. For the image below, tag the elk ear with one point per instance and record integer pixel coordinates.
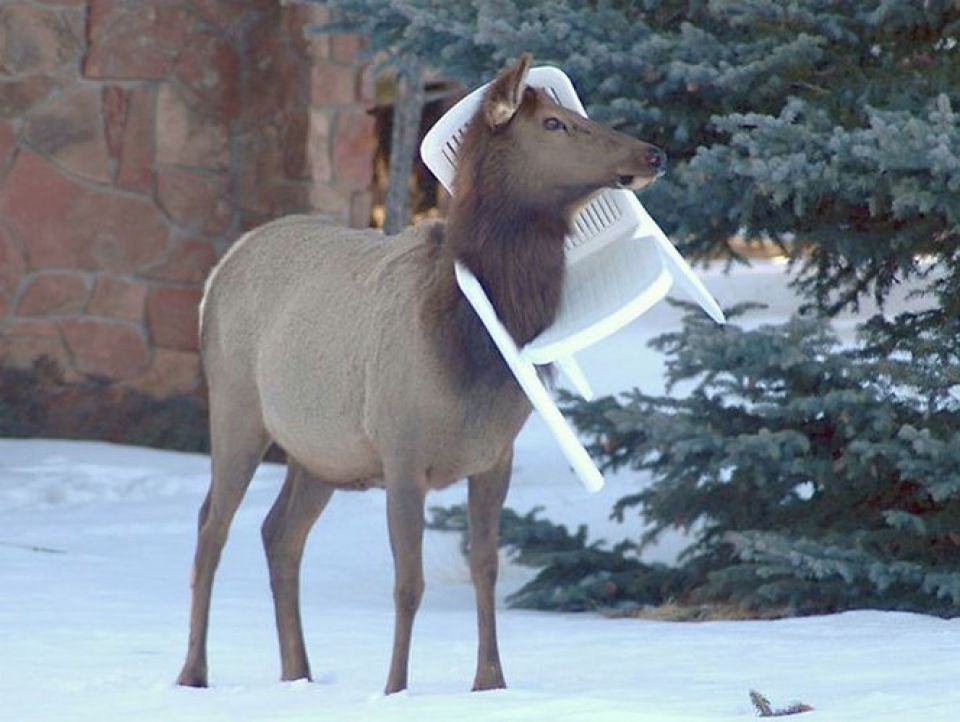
(505, 94)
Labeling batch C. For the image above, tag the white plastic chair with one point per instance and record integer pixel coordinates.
(619, 264)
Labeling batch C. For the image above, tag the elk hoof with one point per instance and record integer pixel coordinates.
(492, 680)
(191, 679)
(296, 677)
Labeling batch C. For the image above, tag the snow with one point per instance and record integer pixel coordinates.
(96, 543)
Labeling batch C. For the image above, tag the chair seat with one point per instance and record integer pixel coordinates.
(603, 292)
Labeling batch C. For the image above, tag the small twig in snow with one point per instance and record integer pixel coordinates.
(765, 709)
(32, 548)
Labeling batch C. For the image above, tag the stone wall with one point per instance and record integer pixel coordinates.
(138, 139)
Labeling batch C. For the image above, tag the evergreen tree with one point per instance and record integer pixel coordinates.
(815, 478)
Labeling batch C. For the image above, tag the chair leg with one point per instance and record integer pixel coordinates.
(571, 369)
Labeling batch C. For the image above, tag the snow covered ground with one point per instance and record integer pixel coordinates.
(95, 549)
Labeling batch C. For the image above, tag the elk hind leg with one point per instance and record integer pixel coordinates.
(302, 499)
(486, 495)
(238, 442)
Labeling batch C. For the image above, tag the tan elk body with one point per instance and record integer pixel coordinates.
(358, 356)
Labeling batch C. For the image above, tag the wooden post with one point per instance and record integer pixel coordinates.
(407, 110)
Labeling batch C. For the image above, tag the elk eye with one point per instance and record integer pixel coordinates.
(552, 123)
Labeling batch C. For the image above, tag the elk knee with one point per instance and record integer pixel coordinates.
(484, 568)
(407, 596)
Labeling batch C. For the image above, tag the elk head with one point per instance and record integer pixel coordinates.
(540, 154)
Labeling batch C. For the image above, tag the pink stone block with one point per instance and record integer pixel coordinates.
(333, 84)
(190, 261)
(346, 49)
(117, 298)
(23, 342)
(128, 116)
(34, 40)
(69, 132)
(195, 200)
(64, 224)
(210, 67)
(230, 16)
(112, 349)
(18, 97)
(353, 148)
(8, 142)
(172, 317)
(53, 294)
(12, 267)
(169, 373)
(134, 40)
(187, 134)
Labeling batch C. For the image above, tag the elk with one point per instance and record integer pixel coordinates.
(359, 357)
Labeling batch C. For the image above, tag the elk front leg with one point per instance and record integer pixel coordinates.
(487, 492)
(405, 502)
(302, 499)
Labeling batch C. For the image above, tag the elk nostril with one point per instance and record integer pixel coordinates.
(657, 160)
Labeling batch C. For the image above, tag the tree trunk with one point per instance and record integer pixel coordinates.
(407, 111)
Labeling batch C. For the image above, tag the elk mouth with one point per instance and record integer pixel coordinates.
(655, 167)
(633, 182)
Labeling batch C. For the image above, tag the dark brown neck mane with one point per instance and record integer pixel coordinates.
(513, 245)
(517, 255)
